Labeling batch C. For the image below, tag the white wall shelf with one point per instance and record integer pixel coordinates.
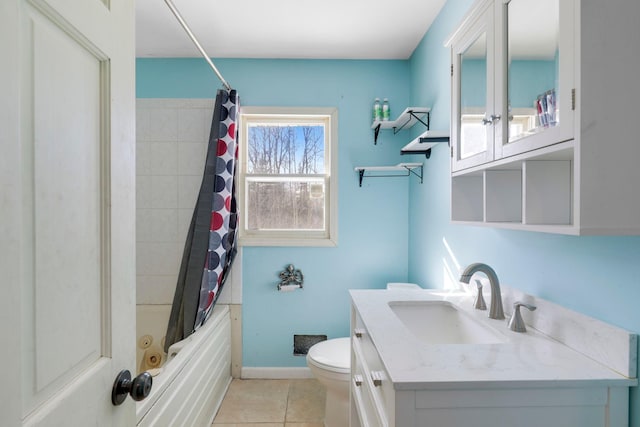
(388, 171)
(409, 117)
(423, 143)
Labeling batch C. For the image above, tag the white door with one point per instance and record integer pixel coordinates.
(67, 210)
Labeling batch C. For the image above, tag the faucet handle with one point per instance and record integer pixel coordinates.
(479, 303)
(516, 323)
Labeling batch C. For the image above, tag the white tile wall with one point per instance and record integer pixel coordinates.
(187, 196)
(172, 137)
(163, 158)
(190, 155)
(164, 192)
(143, 192)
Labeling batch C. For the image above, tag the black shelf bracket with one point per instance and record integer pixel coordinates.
(413, 171)
(428, 139)
(412, 114)
(435, 139)
(410, 171)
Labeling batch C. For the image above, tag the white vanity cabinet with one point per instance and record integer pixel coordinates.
(544, 98)
(531, 381)
(372, 393)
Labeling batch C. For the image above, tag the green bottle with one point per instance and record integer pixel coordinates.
(386, 110)
(377, 110)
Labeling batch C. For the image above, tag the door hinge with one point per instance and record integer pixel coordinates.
(451, 151)
(451, 70)
(573, 99)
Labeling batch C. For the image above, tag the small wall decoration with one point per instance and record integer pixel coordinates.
(290, 279)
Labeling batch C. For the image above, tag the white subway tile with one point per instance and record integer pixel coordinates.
(155, 289)
(164, 191)
(143, 192)
(142, 123)
(158, 258)
(184, 221)
(143, 158)
(157, 225)
(163, 158)
(163, 124)
(191, 158)
(191, 125)
(188, 189)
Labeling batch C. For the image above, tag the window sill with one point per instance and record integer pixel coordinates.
(287, 241)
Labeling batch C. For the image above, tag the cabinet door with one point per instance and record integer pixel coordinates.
(473, 93)
(538, 65)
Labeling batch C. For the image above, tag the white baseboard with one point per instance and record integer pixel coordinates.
(275, 373)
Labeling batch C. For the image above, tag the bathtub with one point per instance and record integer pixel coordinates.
(190, 381)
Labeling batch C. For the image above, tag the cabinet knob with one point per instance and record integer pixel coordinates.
(357, 380)
(358, 332)
(376, 377)
(493, 119)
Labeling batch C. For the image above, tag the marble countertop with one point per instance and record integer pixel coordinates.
(529, 359)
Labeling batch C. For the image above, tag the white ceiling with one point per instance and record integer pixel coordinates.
(326, 29)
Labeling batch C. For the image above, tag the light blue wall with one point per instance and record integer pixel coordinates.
(392, 229)
(597, 276)
(373, 233)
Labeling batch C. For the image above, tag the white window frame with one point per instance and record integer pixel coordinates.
(327, 237)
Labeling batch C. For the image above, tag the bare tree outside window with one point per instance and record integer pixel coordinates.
(288, 176)
(285, 176)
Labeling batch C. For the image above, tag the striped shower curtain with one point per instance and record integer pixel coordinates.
(210, 246)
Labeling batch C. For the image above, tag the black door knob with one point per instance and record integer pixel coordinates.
(139, 388)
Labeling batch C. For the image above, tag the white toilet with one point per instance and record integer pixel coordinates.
(330, 363)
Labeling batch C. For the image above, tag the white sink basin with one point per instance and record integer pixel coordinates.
(440, 322)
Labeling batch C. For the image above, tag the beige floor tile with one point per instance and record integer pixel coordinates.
(253, 425)
(254, 401)
(320, 424)
(306, 402)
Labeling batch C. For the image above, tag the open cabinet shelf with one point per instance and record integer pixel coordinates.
(532, 194)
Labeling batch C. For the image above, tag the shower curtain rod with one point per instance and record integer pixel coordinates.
(195, 41)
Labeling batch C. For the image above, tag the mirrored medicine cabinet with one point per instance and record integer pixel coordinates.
(513, 84)
(544, 99)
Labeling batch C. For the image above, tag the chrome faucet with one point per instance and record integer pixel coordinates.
(516, 323)
(495, 311)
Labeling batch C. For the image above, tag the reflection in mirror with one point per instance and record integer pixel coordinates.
(473, 98)
(533, 53)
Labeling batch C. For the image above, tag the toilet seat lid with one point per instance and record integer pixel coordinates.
(332, 355)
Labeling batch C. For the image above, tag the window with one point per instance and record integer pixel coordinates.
(287, 176)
